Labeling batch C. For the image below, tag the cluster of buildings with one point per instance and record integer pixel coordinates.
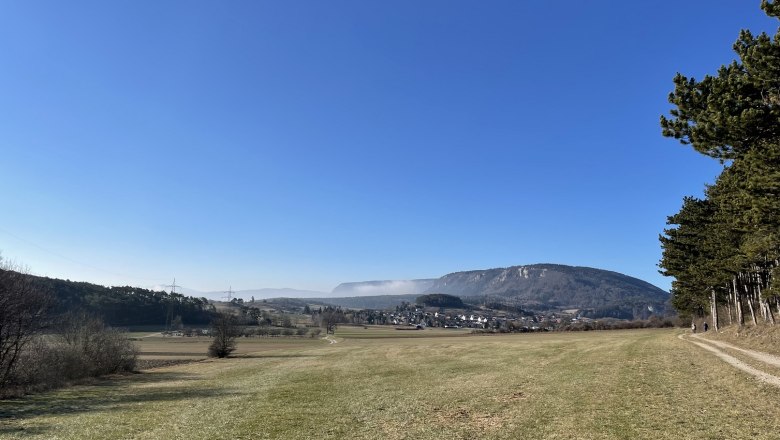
(426, 318)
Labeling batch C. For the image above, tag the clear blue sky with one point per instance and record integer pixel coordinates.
(302, 144)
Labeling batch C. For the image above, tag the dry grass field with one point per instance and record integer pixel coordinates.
(158, 350)
(388, 384)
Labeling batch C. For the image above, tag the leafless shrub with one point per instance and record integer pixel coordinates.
(105, 350)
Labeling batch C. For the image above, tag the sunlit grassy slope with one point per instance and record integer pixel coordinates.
(597, 385)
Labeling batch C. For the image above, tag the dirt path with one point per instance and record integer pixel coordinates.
(758, 355)
(736, 363)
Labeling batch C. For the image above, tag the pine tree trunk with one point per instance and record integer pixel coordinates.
(762, 304)
(728, 305)
(749, 297)
(769, 312)
(714, 311)
(738, 304)
(766, 311)
(777, 304)
(762, 309)
(769, 283)
(752, 312)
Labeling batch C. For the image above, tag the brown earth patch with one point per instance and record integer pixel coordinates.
(514, 397)
(469, 417)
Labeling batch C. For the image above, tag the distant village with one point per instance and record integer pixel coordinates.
(421, 318)
(282, 317)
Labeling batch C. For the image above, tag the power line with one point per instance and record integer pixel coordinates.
(59, 255)
(173, 286)
(230, 293)
(169, 314)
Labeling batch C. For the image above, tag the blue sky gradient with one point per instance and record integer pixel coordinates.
(303, 144)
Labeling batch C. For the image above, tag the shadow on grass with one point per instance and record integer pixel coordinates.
(197, 354)
(106, 395)
(8, 430)
(273, 356)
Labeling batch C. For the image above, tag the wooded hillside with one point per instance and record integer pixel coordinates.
(124, 306)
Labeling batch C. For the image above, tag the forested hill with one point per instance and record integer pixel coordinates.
(551, 286)
(124, 306)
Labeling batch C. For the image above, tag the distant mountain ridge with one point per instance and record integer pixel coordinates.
(593, 292)
(537, 287)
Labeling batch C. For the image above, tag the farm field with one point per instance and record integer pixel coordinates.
(384, 331)
(593, 385)
(155, 347)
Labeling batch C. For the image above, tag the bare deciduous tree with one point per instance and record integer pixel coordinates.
(330, 318)
(23, 307)
(225, 330)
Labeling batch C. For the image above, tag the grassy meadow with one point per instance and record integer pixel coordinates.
(388, 384)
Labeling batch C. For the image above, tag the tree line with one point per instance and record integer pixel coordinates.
(125, 305)
(723, 250)
(41, 347)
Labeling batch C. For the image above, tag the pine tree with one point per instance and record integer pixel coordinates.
(726, 248)
(726, 115)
